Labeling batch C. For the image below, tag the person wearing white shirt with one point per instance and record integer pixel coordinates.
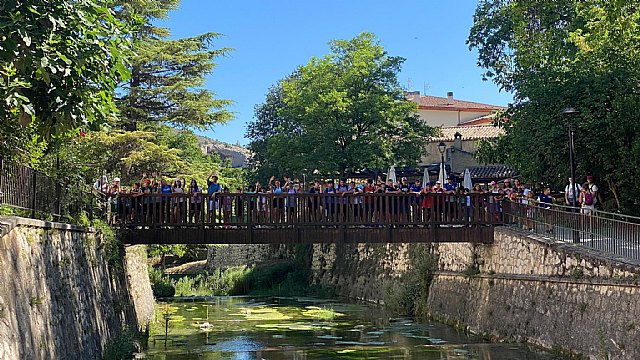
(571, 193)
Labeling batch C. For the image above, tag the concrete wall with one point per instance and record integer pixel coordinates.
(60, 298)
(437, 118)
(457, 159)
(551, 294)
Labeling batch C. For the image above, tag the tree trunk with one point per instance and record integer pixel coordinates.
(130, 123)
(614, 191)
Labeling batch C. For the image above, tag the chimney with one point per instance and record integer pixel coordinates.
(450, 95)
(457, 140)
(413, 95)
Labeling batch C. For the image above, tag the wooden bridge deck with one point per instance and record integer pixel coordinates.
(304, 218)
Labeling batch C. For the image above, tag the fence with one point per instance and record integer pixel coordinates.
(616, 234)
(274, 210)
(37, 194)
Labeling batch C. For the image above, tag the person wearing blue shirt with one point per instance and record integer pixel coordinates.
(212, 189)
(329, 201)
(450, 201)
(416, 188)
(545, 201)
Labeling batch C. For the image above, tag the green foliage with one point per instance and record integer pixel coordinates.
(33, 301)
(553, 54)
(339, 113)
(161, 285)
(60, 62)
(408, 295)
(577, 273)
(168, 76)
(218, 282)
(122, 347)
(112, 247)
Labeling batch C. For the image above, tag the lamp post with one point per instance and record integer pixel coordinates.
(570, 112)
(442, 147)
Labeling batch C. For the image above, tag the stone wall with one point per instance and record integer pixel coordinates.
(359, 271)
(225, 256)
(523, 254)
(520, 287)
(138, 284)
(60, 297)
(598, 319)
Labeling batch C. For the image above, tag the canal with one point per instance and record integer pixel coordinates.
(248, 328)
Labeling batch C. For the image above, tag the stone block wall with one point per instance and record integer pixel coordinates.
(60, 298)
(599, 320)
(522, 254)
(359, 271)
(521, 287)
(225, 256)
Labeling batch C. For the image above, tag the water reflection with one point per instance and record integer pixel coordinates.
(241, 328)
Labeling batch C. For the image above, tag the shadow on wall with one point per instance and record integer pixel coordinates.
(62, 298)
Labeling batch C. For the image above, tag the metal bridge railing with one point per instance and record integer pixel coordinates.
(615, 234)
(36, 194)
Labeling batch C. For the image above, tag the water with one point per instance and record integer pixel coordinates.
(244, 328)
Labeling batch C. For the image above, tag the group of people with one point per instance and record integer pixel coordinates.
(177, 202)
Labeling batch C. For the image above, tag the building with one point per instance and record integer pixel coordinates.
(463, 124)
(448, 111)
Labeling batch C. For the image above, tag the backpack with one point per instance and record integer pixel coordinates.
(588, 198)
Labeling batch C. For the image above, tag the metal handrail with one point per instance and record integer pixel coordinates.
(591, 229)
(37, 194)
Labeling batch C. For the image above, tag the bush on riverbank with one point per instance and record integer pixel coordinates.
(161, 285)
(124, 345)
(408, 295)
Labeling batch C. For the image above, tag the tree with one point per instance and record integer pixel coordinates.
(60, 61)
(167, 76)
(338, 114)
(269, 120)
(553, 54)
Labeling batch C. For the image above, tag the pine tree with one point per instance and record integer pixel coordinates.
(167, 76)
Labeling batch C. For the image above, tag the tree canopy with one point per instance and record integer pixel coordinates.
(60, 62)
(168, 76)
(340, 113)
(555, 54)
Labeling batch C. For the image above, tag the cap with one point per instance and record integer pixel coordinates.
(404, 178)
(438, 182)
(116, 179)
(507, 180)
(492, 183)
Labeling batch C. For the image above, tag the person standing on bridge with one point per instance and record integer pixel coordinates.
(546, 203)
(195, 193)
(593, 188)
(571, 194)
(213, 189)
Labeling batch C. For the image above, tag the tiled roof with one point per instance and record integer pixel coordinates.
(492, 172)
(469, 132)
(427, 101)
(482, 120)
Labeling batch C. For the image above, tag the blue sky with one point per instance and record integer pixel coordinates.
(271, 38)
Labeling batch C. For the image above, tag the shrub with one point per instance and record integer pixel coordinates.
(161, 285)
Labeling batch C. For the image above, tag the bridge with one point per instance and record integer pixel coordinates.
(233, 218)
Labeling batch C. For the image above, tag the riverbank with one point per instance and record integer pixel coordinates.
(520, 288)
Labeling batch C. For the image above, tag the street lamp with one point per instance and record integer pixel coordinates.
(442, 147)
(570, 112)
